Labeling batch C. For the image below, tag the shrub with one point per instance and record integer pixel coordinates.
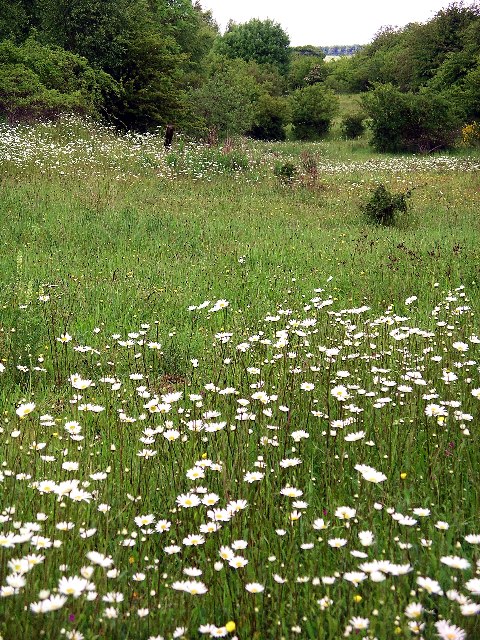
(226, 100)
(471, 135)
(415, 122)
(313, 109)
(384, 205)
(270, 118)
(285, 172)
(41, 81)
(353, 126)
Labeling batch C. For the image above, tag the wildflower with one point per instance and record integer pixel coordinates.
(144, 521)
(237, 562)
(254, 587)
(421, 512)
(455, 562)
(340, 393)
(73, 586)
(193, 540)
(193, 587)
(99, 559)
(307, 386)
(414, 610)
(366, 538)
(470, 609)
(429, 585)
(448, 631)
(219, 305)
(370, 474)
(355, 577)
(253, 476)
(473, 586)
(345, 513)
(353, 437)
(113, 597)
(299, 435)
(336, 543)
(24, 409)
(188, 500)
(172, 549)
(291, 492)
(473, 538)
(53, 603)
(359, 624)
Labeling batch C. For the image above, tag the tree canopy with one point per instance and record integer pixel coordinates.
(263, 41)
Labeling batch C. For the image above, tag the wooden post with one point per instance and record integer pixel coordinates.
(169, 131)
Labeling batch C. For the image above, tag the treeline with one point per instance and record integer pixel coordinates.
(146, 63)
(419, 83)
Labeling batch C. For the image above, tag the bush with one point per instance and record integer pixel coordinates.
(270, 118)
(41, 81)
(414, 122)
(313, 109)
(226, 100)
(285, 172)
(471, 135)
(384, 205)
(353, 126)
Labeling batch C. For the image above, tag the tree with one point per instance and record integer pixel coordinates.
(270, 117)
(423, 121)
(313, 109)
(38, 81)
(152, 48)
(307, 66)
(226, 100)
(263, 41)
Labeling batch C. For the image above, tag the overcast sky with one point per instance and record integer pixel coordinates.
(327, 22)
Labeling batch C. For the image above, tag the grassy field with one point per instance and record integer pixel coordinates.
(231, 407)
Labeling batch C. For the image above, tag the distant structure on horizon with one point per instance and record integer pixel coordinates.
(342, 50)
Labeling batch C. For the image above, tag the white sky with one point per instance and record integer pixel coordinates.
(329, 22)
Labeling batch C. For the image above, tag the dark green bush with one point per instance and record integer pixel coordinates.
(384, 205)
(41, 81)
(353, 126)
(271, 116)
(313, 109)
(413, 122)
(285, 172)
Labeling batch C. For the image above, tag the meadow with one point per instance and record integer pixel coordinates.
(229, 406)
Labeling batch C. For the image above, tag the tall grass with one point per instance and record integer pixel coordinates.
(230, 407)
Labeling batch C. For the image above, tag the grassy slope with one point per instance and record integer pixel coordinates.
(118, 247)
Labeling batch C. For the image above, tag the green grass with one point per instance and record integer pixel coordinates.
(104, 236)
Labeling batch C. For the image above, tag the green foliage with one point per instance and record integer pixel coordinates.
(91, 28)
(353, 125)
(285, 172)
(226, 100)
(318, 73)
(37, 80)
(307, 66)
(313, 109)
(261, 40)
(152, 49)
(437, 53)
(14, 20)
(383, 206)
(271, 115)
(410, 122)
